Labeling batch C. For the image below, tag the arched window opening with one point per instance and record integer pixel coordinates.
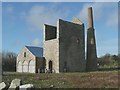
(65, 66)
(24, 54)
(92, 41)
(78, 41)
(50, 66)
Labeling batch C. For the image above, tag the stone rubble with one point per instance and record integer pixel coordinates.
(2, 86)
(51, 86)
(26, 87)
(15, 84)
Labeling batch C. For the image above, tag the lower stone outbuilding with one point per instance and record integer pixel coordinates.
(31, 60)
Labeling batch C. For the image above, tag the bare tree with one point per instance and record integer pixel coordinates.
(8, 61)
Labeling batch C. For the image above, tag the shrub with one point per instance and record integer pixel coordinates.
(108, 61)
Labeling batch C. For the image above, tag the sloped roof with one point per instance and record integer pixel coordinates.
(37, 51)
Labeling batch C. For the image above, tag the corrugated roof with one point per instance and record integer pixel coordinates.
(37, 51)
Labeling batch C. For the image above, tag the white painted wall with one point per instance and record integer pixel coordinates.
(32, 66)
(19, 66)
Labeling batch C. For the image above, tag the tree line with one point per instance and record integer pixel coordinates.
(106, 61)
(9, 61)
(109, 61)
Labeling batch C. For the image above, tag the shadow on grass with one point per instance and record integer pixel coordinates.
(108, 69)
(8, 73)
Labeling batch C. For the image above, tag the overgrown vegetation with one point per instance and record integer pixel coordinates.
(104, 62)
(98, 79)
(8, 61)
(108, 62)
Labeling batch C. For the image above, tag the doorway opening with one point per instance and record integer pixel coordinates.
(50, 66)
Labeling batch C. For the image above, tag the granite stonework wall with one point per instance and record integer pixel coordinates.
(67, 50)
(51, 53)
(91, 64)
(51, 48)
(91, 57)
(72, 46)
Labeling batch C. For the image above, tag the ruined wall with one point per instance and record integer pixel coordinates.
(51, 49)
(71, 46)
(50, 32)
(51, 53)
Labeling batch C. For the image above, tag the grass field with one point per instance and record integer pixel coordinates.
(98, 79)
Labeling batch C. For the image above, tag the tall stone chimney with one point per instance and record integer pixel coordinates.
(91, 59)
(90, 18)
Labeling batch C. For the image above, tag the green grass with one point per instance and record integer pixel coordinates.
(98, 79)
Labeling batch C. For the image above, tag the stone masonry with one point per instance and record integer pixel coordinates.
(64, 48)
(91, 63)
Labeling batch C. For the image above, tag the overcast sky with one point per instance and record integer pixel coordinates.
(22, 23)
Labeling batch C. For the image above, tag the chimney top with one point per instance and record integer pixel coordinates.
(89, 7)
(90, 18)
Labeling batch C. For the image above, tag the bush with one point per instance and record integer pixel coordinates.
(108, 61)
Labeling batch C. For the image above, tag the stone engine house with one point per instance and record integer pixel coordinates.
(64, 47)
